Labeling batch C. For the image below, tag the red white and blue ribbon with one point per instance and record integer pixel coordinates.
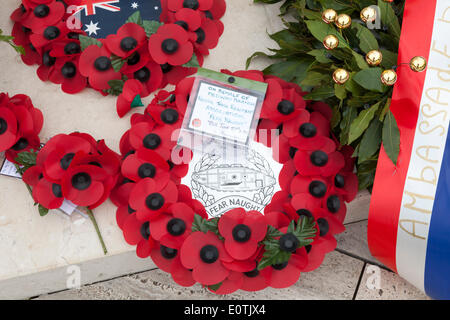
(409, 219)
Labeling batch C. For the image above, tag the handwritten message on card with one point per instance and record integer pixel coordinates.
(218, 111)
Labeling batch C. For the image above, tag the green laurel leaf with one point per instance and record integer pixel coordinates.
(391, 137)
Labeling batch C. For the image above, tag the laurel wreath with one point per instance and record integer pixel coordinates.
(264, 196)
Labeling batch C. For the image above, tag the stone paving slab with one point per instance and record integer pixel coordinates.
(337, 278)
(391, 286)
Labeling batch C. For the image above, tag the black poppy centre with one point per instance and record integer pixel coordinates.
(152, 141)
(102, 63)
(41, 11)
(209, 254)
(170, 46)
(128, 44)
(143, 74)
(241, 233)
(308, 130)
(285, 107)
(21, 144)
(176, 227)
(147, 170)
(154, 201)
(317, 189)
(51, 33)
(66, 160)
(81, 181)
(319, 158)
(169, 116)
(289, 242)
(191, 4)
(69, 70)
(3, 126)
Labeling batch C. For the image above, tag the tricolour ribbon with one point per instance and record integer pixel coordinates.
(409, 219)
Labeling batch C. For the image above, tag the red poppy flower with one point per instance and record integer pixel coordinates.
(231, 284)
(267, 132)
(170, 44)
(255, 75)
(204, 254)
(157, 139)
(317, 252)
(284, 275)
(315, 186)
(21, 34)
(182, 93)
(174, 226)
(146, 164)
(150, 198)
(287, 173)
(253, 281)
(278, 199)
(127, 40)
(48, 34)
(67, 73)
(304, 204)
(282, 151)
(67, 48)
(187, 18)
(150, 76)
(280, 104)
(322, 108)
(325, 160)
(206, 36)
(58, 153)
(165, 115)
(23, 144)
(19, 14)
(175, 74)
(345, 184)
(96, 65)
(137, 232)
(8, 128)
(327, 226)
(347, 151)
(120, 194)
(46, 193)
(85, 185)
(334, 204)
(242, 232)
(217, 10)
(137, 60)
(307, 131)
(44, 14)
(168, 260)
(175, 5)
(31, 55)
(130, 97)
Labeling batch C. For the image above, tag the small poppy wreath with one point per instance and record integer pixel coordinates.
(152, 53)
(239, 250)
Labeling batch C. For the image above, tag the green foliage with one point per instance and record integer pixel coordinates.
(115, 87)
(86, 41)
(304, 230)
(151, 26)
(361, 114)
(193, 63)
(205, 225)
(9, 40)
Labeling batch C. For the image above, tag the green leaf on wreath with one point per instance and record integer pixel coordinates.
(367, 40)
(135, 18)
(305, 231)
(348, 114)
(369, 79)
(340, 91)
(205, 225)
(320, 30)
(215, 287)
(389, 59)
(290, 70)
(42, 210)
(117, 62)
(26, 158)
(320, 94)
(371, 140)
(360, 124)
(193, 63)
(137, 102)
(115, 87)
(321, 55)
(151, 26)
(86, 41)
(391, 137)
(389, 19)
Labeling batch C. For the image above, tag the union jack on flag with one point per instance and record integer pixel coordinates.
(100, 18)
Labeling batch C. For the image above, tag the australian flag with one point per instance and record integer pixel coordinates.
(100, 18)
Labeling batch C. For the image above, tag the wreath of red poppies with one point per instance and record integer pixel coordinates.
(155, 54)
(161, 218)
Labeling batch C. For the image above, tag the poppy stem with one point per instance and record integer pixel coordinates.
(94, 222)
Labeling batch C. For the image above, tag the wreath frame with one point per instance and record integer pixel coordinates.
(294, 215)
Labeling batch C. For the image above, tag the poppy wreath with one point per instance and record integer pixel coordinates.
(151, 52)
(239, 250)
(72, 167)
(20, 124)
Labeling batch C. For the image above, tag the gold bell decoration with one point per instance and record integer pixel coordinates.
(368, 14)
(374, 58)
(329, 15)
(343, 21)
(340, 76)
(418, 64)
(330, 42)
(389, 77)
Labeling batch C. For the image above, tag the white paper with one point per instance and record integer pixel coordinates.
(8, 169)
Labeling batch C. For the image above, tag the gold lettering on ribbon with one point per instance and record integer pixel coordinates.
(444, 53)
(412, 223)
(436, 99)
(422, 177)
(427, 153)
(443, 19)
(414, 197)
